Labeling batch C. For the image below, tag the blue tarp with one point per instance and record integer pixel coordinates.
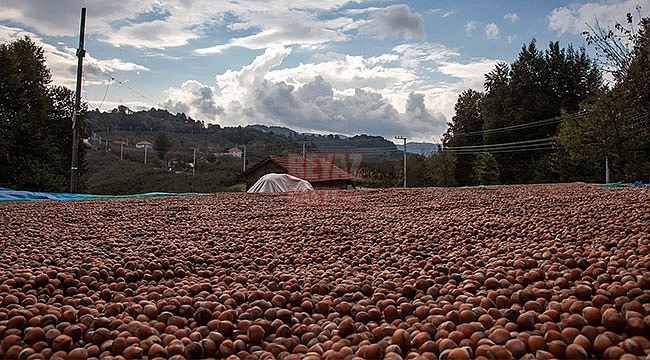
(621, 184)
(19, 195)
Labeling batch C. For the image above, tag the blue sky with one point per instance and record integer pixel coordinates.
(329, 66)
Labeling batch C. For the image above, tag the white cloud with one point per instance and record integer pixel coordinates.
(62, 60)
(155, 34)
(159, 25)
(413, 55)
(492, 31)
(285, 29)
(576, 17)
(471, 74)
(395, 19)
(470, 27)
(511, 17)
(335, 92)
(193, 98)
(238, 84)
(106, 67)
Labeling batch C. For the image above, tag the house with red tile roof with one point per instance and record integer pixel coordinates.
(319, 171)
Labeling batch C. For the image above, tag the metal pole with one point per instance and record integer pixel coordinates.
(74, 169)
(145, 154)
(403, 138)
(606, 169)
(244, 157)
(194, 162)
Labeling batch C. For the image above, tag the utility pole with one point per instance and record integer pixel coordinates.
(145, 154)
(74, 169)
(194, 162)
(244, 157)
(403, 138)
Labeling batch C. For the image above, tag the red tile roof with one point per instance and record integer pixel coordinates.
(312, 169)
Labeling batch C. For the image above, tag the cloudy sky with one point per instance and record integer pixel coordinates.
(329, 66)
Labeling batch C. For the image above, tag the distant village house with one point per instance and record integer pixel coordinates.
(144, 145)
(235, 152)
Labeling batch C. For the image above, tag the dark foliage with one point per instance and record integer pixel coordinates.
(35, 122)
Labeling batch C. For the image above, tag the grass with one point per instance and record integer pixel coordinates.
(108, 174)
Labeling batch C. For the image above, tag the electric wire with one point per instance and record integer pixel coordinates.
(538, 123)
(122, 83)
(105, 93)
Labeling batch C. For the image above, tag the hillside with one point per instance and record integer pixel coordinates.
(124, 125)
(190, 156)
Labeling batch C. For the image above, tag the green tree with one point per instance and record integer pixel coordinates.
(162, 143)
(465, 130)
(487, 169)
(441, 167)
(582, 142)
(34, 148)
(616, 125)
(536, 89)
(61, 130)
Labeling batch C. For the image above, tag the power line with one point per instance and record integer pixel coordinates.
(122, 83)
(538, 123)
(512, 127)
(132, 89)
(105, 93)
(540, 147)
(525, 142)
(517, 146)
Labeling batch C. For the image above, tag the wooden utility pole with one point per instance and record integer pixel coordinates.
(403, 138)
(74, 169)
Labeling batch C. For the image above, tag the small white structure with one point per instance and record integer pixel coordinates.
(234, 152)
(273, 182)
(144, 145)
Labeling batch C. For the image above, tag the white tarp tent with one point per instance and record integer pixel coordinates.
(279, 183)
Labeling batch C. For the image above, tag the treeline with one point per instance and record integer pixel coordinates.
(166, 131)
(152, 120)
(549, 117)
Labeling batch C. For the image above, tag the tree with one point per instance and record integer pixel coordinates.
(61, 129)
(441, 167)
(465, 130)
(614, 45)
(583, 142)
(536, 89)
(162, 143)
(33, 145)
(487, 169)
(616, 125)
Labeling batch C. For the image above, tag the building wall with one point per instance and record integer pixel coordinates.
(331, 184)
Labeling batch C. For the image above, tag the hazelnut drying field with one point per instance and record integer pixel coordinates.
(508, 272)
